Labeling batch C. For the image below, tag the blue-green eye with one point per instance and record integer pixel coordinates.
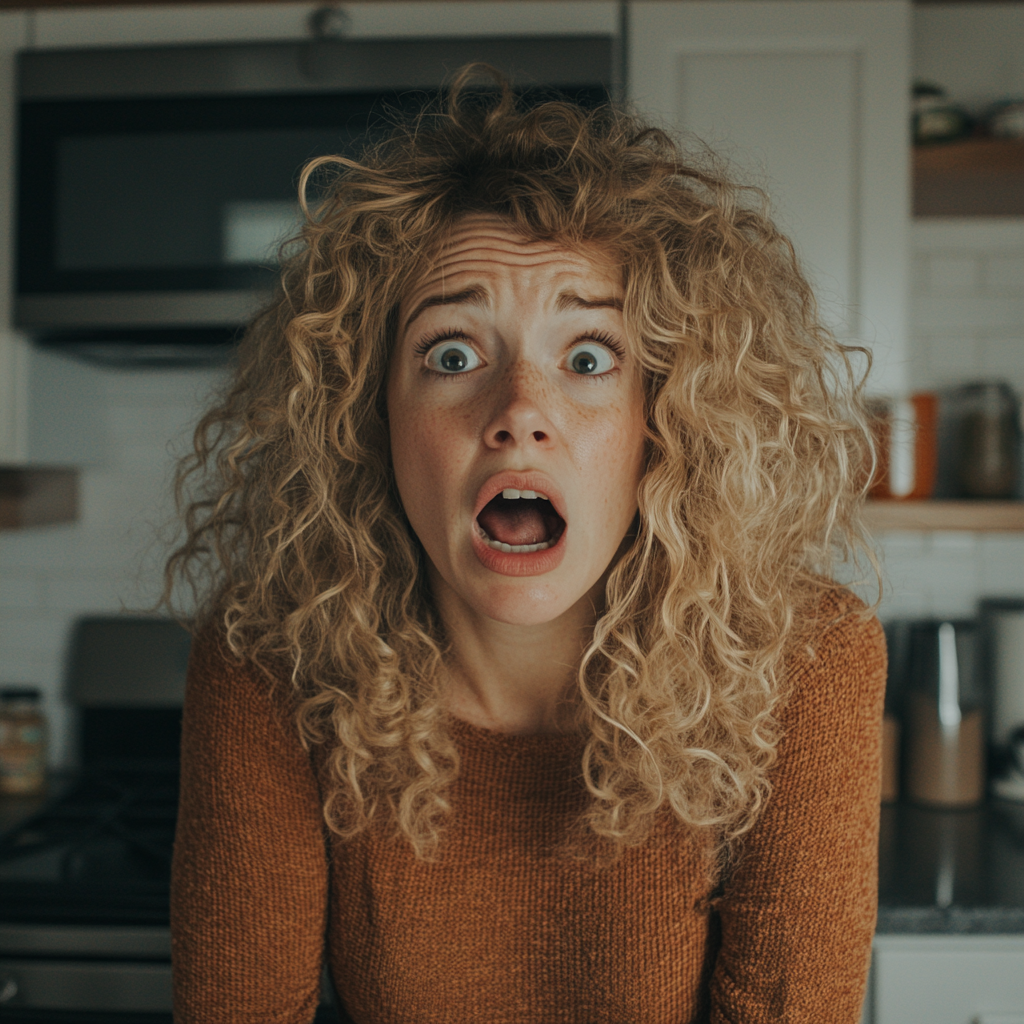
(590, 360)
(452, 357)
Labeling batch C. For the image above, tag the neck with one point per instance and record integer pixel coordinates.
(513, 678)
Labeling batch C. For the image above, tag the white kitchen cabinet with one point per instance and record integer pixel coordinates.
(947, 979)
(810, 100)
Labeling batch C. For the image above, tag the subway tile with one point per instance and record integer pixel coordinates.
(953, 275)
(29, 669)
(84, 594)
(919, 276)
(185, 389)
(952, 544)
(983, 235)
(1001, 566)
(63, 547)
(1004, 275)
(906, 603)
(950, 357)
(904, 544)
(1001, 356)
(20, 591)
(953, 314)
(34, 634)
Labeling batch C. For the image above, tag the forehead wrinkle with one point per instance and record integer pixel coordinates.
(456, 262)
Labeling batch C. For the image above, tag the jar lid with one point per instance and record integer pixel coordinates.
(12, 693)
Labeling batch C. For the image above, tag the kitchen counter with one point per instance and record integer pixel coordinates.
(952, 872)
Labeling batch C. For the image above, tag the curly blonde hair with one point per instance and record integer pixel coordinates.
(758, 454)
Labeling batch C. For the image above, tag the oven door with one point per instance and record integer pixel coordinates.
(85, 974)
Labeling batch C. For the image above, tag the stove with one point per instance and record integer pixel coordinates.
(84, 887)
(85, 878)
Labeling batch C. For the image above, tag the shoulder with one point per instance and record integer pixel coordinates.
(224, 683)
(836, 659)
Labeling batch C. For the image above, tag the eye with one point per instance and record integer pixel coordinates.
(451, 357)
(590, 360)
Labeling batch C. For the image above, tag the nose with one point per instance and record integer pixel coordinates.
(520, 417)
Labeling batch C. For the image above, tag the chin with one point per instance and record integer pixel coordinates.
(527, 606)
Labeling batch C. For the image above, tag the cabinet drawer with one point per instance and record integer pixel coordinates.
(946, 979)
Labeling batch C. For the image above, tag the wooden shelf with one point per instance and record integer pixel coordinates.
(970, 178)
(37, 497)
(986, 516)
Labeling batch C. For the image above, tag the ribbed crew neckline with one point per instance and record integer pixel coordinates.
(514, 760)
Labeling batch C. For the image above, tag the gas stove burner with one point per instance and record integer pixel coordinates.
(102, 847)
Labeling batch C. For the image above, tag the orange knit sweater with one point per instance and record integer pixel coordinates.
(499, 929)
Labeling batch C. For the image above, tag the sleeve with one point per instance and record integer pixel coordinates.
(798, 915)
(249, 876)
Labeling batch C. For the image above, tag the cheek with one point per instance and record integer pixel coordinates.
(610, 445)
(425, 455)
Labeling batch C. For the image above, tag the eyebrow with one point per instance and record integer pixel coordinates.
(473, 296)
(570, 300)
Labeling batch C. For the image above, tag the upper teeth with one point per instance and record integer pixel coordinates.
(512, 492)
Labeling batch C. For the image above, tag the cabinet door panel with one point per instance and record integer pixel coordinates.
(789, 120)
(810, 100)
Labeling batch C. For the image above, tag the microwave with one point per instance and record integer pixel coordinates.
(156, 184)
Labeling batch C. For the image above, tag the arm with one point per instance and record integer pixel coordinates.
(798, 915)
(249, 879)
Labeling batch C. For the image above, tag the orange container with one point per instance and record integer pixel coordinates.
(906, 441)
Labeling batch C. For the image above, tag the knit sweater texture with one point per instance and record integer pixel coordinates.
(501, 929)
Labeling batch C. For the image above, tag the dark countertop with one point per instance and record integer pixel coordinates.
(953, 872)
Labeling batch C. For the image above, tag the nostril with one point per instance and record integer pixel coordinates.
(539, 435)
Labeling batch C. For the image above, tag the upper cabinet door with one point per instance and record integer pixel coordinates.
(809, 100)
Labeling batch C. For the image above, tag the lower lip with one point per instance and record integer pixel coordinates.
(526, 563)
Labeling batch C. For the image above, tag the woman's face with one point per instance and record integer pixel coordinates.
(517, 425)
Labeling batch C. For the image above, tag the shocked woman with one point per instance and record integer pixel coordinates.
(522, 690)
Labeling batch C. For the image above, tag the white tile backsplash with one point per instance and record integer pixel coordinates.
(109, 560)
(967, 323)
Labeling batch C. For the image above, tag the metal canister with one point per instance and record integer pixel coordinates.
(945, 748)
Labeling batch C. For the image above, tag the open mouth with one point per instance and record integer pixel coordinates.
(520, 522)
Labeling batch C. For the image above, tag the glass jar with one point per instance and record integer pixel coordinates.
(988, 441)
(22, 742)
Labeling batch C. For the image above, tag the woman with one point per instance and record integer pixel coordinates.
(523, 692)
